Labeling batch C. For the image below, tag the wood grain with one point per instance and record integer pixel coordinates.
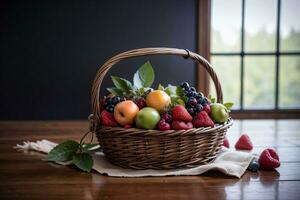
(24, 175)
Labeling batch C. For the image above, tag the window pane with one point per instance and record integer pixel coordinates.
(289, 96)
(290, 25)
(226, 25)
(260, 25)
(228, 71)
(259, 89)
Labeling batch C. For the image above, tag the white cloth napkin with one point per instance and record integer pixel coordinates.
(229, 162)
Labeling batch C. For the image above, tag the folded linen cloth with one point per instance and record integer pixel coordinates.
(229, 162)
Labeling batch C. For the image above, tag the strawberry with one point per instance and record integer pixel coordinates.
(244, 143)
(181, 114)
(107, 119)
(207, 108)
(202, 120)
(269, 159)
(181, 125)
(226, 142)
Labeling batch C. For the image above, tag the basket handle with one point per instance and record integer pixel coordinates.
(143, 52)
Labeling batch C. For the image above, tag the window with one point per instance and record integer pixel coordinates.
(255, 49)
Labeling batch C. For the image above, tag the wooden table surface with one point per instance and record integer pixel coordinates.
(24, 175)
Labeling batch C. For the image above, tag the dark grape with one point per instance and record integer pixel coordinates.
(184, 85)
(148, 91)
(193, 89)
(192, 101)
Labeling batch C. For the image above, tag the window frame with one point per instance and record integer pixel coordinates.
(203, 48)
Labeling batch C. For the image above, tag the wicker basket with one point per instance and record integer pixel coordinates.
(154, 149)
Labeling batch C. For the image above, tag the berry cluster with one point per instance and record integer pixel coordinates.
(110, 102)
(196, 101)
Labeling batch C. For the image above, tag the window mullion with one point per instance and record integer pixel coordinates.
(242, 55)
(277, 55)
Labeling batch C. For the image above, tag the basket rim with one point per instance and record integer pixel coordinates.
(169, 133)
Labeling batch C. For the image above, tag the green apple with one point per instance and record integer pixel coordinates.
(147, 118)
(218, 113)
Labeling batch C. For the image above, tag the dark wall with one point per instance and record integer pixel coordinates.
(51, 50)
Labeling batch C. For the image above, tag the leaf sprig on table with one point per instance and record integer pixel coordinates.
(74, 152)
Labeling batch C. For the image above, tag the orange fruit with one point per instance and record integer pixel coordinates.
(125, 112)
(158, 99)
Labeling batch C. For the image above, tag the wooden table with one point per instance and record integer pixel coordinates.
(24, 175)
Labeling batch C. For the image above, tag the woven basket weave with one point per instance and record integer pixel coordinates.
(154, 149)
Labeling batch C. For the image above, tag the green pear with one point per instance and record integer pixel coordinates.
(219, 113)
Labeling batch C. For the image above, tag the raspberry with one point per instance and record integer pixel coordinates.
(167, 117)
(163, 125)
(269, 159)
(141, 103)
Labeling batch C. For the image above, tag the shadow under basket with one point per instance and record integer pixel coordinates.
(154, 149)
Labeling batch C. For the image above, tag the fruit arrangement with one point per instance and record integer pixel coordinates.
(138, 105)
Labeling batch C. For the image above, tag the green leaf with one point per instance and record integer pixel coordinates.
(144, 76)
(179, 91)
(228, 105)
(115, 91)
(160, 87)
(122, 83)
(211, 99)
(180, 102)
(64, 151)
(171, 90)
(83, 161)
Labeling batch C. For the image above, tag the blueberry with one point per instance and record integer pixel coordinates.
(116, 100)
(190, 94)
(205, 101)
(199, 108)
(254, 166)
(191, 111)
(200, 94)
(184, 85)
(198, 97)
(193, 89)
